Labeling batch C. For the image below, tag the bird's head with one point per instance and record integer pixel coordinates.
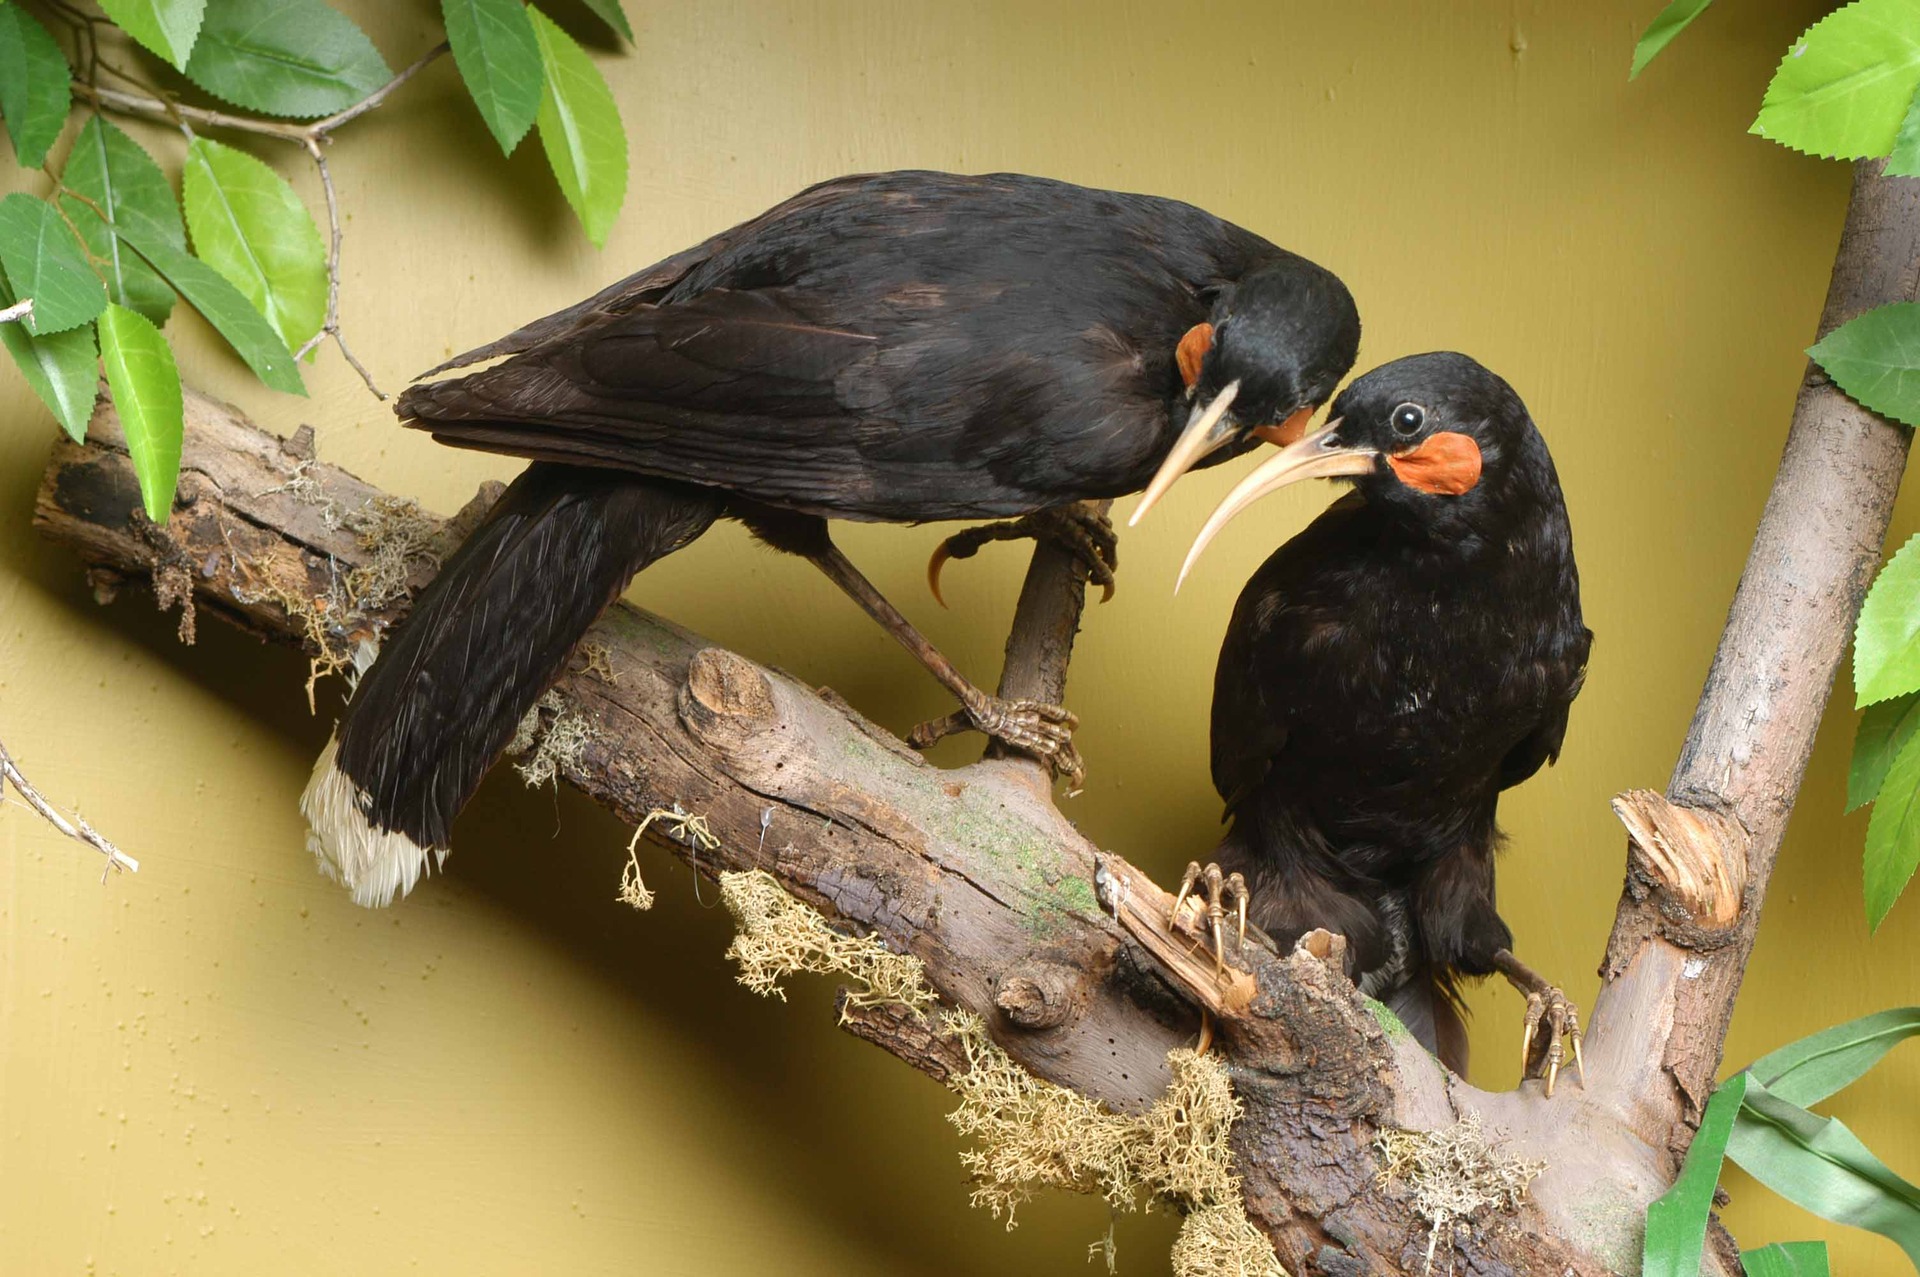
(1431, 437)
(1278, 343)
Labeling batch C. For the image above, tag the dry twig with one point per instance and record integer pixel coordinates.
(77, 828)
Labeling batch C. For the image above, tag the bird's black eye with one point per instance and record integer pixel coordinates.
(1408, 418)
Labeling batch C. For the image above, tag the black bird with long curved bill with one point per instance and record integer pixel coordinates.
(1386, 674)
(898, 347)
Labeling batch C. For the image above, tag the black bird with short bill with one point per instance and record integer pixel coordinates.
(897, 347)
(1386, 674)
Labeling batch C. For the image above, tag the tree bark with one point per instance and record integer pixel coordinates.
(975, 872)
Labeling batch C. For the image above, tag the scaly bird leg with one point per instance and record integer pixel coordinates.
(1545, 1004)
(1217, 890)
(1087, 535)
(1045, 731)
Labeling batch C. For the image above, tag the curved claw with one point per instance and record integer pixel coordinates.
(939, 560)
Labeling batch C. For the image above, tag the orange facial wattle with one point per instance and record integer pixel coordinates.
(1192, 350)
(1446, 464)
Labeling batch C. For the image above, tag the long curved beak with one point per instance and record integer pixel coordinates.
(1204, 433)
(1315, 457)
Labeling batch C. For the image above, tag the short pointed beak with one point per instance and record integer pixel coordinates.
(1204, 433)
(1317, 456)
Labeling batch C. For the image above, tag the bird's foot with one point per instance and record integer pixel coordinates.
(1032, 727)
(1552, 1025)
(1078, 527)
(1220, 893)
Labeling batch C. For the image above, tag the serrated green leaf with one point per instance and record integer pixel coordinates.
(1893, 835)
(34, 90)
(121, 180)
(167, 28)
(499, 59)
(1875, 357)
(1825, 1063)
(1787, 1259)
(1818, 1164)
(298, 58)
(1904, 159)
(1843, 88)
(580, 130)
(1884, 731)
(249, 225)
(610, 12)
(1677, 1222)
(63, 369)
(43, 260)
(1886, 639)
(146, 394)
(1670, 22)
(223, 306)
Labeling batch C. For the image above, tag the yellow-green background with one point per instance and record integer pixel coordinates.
(222, 1066)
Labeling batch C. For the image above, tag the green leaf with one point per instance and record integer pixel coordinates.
(63, 369)
(34, 90)
(610, 12)
(499, 58)
(1893, 835)
(1671, 21)
(43, 261)
(1843, 88)
(222, 304)
(1886, 639)
(166, 27)
(249, 225)
(1904, 159)
(110, 169)
(146, 393)
(1818, 1164)
(1787, 1259)
(1875, 357)
(580, 130)
(1677, 1223)
(1884, 731)
(1823, 1063)
(297, 58)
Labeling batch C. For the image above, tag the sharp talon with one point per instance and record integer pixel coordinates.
(1579, 1062)
(1526, 1045)
(1186, 889)
(1553, 1072)
(1106, 593)
(1206, 1033)
(1219, 945)
(939, 560)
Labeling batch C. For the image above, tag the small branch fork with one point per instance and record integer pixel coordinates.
(155, 105)
(77, 828)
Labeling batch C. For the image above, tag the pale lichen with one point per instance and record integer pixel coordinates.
(1454, 1175)
(1027, 1133)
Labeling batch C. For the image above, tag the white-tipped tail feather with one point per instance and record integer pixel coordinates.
(374, 864)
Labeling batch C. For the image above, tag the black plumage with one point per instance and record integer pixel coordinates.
(896, 347)
(1387, 673)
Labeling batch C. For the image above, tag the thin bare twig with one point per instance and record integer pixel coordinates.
(77, 828)
(21, 309)
(308, 137)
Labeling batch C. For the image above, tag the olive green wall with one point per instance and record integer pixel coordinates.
(221, 1066)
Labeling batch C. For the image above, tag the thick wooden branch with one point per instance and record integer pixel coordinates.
(973, 870)
(1701, 857)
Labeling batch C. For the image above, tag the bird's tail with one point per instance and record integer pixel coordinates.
(485, 640)
(1430, 1008)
